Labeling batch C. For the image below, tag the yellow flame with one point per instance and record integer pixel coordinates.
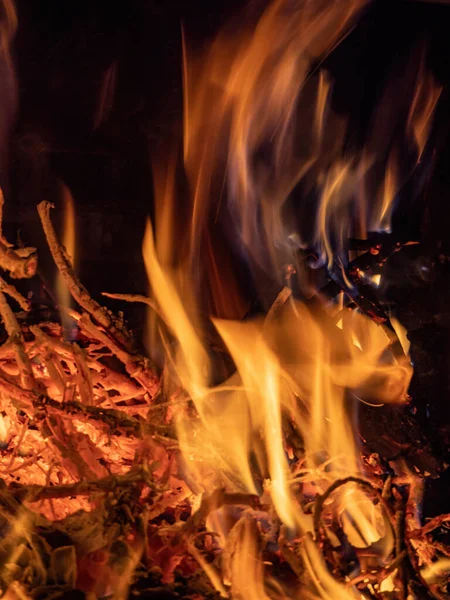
(436, 570)
(323, 91)
(244, 104)
(69, 230)
(401, 334)
(261, 379)
(423, 105)
(296, 369)
(376, 279)
(246, 568)
(4, 426)
(324, 583)
(243, 95)
(68, 242)
(389, 191)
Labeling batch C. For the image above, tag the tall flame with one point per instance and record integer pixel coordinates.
(254, 133)
(423, 105)
(68, 242)
(244, 97)
(295, 370)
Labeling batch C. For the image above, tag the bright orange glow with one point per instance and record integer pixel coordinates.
(243, 100)
(296, 367)
(4, 427)
(244, 567)
(246, 91)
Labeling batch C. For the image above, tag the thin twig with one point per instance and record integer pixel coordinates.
(137, 366)
(15, 335)
(115, 421)
(34, 493)
(76, 288)
(380, 575)
(135, 298)
(84, 381)
(11, 291)
(418, 556)
(430, 526)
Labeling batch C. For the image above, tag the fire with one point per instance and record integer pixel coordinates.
(424, 103)
(257, 107)
(264, 448)
(4, 427)
(68, 241)
(243, 97)
(297, 369)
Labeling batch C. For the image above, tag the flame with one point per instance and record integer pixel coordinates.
(246, 567)
(297, 369)
(258, 122)
(243, 97)
(434, 571)
(422, 109)
(401, 334)
(68, 242)
(323, 582)
(4, 427)
(389, 190)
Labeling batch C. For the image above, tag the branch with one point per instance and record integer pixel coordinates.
(84, 380)
(136, 298)
(34, 493)
(76, 288)
(430, 526)
(21, 263)
(116, 421)
(11, 291)
(137, 366)
(380, 575)
(15, 335)
(418, 554)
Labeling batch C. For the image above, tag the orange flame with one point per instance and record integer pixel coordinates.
(242, 117)
(246, 92)
(68, 242)
(296, 368)
(4, 427)
(422, 109)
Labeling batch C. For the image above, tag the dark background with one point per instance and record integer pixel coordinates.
(99, 93)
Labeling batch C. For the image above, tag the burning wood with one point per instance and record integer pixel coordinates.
(96, 495)
(123, 479)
